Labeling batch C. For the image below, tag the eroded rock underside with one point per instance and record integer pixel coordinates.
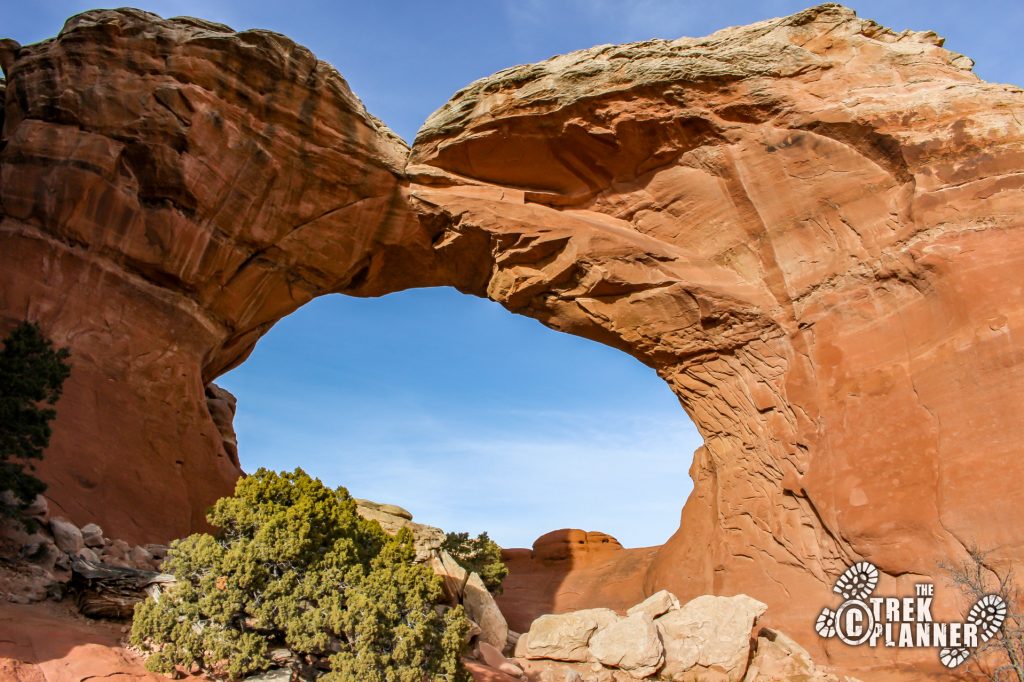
(807, 226)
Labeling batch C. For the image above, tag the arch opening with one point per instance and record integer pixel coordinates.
(472, 417)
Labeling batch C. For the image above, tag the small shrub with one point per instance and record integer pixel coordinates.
(1001, 658)
(32, 374)
(293, 565)
(480, 554)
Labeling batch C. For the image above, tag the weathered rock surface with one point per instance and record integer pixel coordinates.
(484, 611)
(493, 658)
(66, 535)
(48, 641)
(779, 658)
(168, 190)
(657, 604)
(706, 639)
(222, 405)
(92, 535)
(384, 508)
(89, 554)
(710, 635)
(485, 673)
(563, 637)
(575, 545)
(795, 224)
(37, 562)
(809, 227)
(632, 644)
(426, 539)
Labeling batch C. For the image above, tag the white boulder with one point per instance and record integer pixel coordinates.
(564, 636)
(709, 634)
(631, 644)
(66, 535)
(657, 604)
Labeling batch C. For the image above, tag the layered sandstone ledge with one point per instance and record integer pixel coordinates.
(807, 226)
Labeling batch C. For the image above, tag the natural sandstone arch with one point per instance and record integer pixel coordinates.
(789, 222)
(808, 226)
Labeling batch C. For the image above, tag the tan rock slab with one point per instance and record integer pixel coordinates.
(563, 637)
(709, 635)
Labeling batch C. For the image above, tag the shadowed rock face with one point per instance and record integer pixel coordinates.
(170, 189)
(568, 570)
(806, 226)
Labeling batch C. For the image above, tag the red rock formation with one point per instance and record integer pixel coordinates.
(807, 226)
(571, 544)
(170, 189)
(568, 570)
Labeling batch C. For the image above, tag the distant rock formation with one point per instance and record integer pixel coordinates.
(571, 569)
(574, 545)
(809, 227)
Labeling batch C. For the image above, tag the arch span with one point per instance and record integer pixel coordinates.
(808, 227)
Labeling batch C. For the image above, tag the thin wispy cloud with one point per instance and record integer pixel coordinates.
(472, 418)
(516, 478)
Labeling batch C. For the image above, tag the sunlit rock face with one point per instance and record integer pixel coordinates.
(807, 226)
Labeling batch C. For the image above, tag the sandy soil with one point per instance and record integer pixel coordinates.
(50, 642)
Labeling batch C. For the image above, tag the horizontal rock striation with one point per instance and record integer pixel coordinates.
(809, 227)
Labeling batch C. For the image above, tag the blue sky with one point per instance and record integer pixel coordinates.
(473, 418)
(469, 416)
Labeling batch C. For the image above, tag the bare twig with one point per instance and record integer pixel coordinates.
(975, 579)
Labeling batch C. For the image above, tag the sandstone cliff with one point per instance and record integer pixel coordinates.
(170, 189)
(807, 226)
